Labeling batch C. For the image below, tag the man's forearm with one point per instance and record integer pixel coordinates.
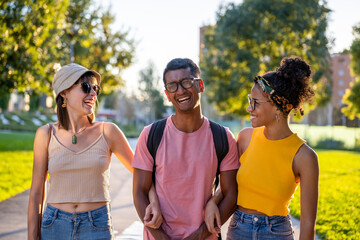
(141, 201)
(201, 233)
(229, 188)
(158, 233)
(227, 206)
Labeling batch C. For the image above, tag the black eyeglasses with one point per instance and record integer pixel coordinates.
(86, 87)
(185, 83)
(252, 102)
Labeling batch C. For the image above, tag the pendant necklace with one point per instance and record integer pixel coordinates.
(74, 138)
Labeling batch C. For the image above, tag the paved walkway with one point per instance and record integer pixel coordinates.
(13, 211)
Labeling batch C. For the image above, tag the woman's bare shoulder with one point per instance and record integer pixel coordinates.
(243, 139)
(245, 133)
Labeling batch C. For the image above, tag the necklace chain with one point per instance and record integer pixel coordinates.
(74, 138)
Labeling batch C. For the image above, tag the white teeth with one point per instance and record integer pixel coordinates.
(183, 99)
(89, 102)
(252, 117)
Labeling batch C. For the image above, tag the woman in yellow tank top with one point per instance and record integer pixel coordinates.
(274, 160)
(76, 153)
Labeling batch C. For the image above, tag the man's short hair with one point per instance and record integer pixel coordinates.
(182, 63)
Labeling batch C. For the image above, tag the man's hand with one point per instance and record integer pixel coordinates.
(153, 217)
(200, 233)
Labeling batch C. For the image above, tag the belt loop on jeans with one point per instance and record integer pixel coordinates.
(242, 217)
(267, 220)
(90, 216)
(56, 212)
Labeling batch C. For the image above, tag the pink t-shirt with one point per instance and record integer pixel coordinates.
(186, 166)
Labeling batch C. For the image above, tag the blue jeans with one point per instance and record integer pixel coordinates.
(57, 224)
(253, 227)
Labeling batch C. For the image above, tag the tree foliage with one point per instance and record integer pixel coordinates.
(28, 47)
(40, 35)
(352, 96)
(355, 50)
(149, 88)
(90, 41)
(252, 37)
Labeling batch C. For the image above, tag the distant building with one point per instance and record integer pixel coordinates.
(18, 102)
(341, 79)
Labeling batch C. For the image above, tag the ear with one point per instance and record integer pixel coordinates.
(63, 94)
(201, 86)
(167, 95)
(278, 112)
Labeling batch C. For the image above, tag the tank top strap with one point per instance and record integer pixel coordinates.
(52, 134)
(50, 126)
(51, 129)
(102, 132)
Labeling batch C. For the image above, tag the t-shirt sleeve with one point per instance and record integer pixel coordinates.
(142, 158)
(231, 160)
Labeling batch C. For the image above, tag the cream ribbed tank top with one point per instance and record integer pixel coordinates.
(78, 176)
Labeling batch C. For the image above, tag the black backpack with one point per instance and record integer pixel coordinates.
(219, 137)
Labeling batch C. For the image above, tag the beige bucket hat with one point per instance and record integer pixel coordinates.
(68, 75)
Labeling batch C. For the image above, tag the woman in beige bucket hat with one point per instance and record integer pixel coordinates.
(76, 153)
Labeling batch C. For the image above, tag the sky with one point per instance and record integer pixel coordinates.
(166, 29)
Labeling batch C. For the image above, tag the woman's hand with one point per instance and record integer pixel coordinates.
(212, 217)
(153, 217)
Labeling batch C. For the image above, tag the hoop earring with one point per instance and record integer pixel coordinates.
(277, 117)
(64, 103)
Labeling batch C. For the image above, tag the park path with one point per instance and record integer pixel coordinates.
(13, 211)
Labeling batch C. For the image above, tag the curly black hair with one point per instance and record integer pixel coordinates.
(292, 81)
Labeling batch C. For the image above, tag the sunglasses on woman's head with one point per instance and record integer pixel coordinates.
(86, 87)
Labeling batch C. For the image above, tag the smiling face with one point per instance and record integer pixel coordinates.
(184, 100)
(78, 101)
(264, 113)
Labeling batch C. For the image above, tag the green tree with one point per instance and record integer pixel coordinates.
(39, 36)
(252, 37)
(352, 96)
(149, 88)
(355, 50)
(29, 41)
(4, 101)
(90, 41)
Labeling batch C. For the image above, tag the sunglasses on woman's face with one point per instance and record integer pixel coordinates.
(253, 102)
(86, 87)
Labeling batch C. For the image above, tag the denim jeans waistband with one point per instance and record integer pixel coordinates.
(259, 219)
(81, 215)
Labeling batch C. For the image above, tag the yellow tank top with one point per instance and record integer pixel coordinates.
(266, 182)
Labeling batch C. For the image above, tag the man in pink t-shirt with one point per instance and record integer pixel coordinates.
(186, 162)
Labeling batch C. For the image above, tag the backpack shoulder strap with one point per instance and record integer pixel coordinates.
(220, 140)
(221, 146)
(154, 139)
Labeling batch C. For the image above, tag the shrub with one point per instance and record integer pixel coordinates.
(328, 143)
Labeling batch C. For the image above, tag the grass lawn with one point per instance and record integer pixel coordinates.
(339, 194)
(15, 172)
(16, 162)
(14, 141)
